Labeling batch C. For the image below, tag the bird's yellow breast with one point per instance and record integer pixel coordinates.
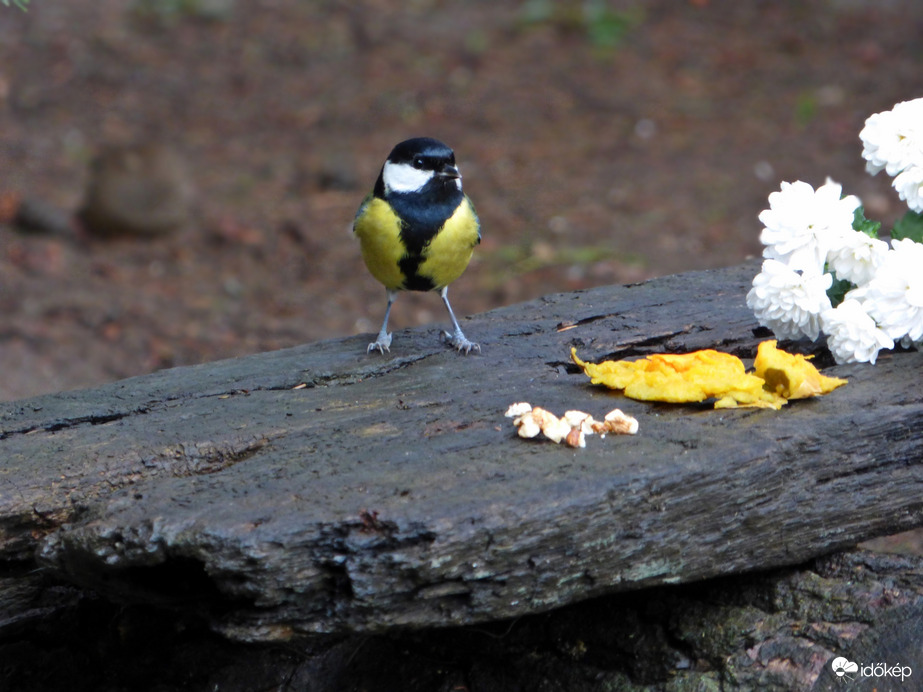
(442, 259)
(378, 229)
(448, 253)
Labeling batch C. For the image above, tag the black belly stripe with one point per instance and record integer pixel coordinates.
(409, 264)
(413, 281)
(421, 218)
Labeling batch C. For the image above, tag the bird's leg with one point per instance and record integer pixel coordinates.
(383, 342)
(457, 339)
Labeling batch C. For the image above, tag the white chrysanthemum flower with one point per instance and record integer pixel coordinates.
(894, 297)
(857, 258)
(909, 186)
(893, 140)
(802, 225)
(853, 336)
(789, 302)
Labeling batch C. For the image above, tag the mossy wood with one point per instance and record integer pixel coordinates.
(320, 489)
(775, 631)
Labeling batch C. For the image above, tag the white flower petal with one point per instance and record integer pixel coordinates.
(894, 297)
(893, 140)
(803, 224)
(789, 302)
(909, 186)
(852, 335)
(857, 257)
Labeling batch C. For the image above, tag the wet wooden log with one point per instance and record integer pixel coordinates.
(322, 490)
(777, 631)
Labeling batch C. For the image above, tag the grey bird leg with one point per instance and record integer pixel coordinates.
(457, 339)
(383, 342)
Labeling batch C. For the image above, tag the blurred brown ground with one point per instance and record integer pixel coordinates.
(598, 149)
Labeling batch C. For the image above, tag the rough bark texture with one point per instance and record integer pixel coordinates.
(391, 491)
(323, 490)
(775, 631)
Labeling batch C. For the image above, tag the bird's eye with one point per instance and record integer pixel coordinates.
(418, 163)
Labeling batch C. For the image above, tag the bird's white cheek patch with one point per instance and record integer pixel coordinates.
(402, 177)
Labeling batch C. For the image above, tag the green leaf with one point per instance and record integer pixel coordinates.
(911, 226)
(860, 223)
(805, 109)
(838, 290)
(606, 28)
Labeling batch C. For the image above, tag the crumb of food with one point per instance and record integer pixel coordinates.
(617, 423)
(572, 428)
(518, 409)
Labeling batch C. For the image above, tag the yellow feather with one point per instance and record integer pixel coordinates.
(378, 230)
(445, 258)
(448, 253)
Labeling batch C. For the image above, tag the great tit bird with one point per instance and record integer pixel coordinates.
(417, 229)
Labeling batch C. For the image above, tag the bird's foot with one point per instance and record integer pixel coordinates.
(381, 344)
(461, 344)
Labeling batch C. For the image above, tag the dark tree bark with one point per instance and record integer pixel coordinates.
(323, 490)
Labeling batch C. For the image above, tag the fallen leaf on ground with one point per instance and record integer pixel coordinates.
(709, 374)
(791, 375)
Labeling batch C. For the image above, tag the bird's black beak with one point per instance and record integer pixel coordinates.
(448, 171)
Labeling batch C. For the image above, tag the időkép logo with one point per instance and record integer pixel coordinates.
(845, 669)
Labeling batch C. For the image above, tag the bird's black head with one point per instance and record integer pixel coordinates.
(422, 152)
(422, 164)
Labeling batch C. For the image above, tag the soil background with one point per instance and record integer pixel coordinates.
(602, 142)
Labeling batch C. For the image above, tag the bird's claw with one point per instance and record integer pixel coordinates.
(381, 344)
(461, 344)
